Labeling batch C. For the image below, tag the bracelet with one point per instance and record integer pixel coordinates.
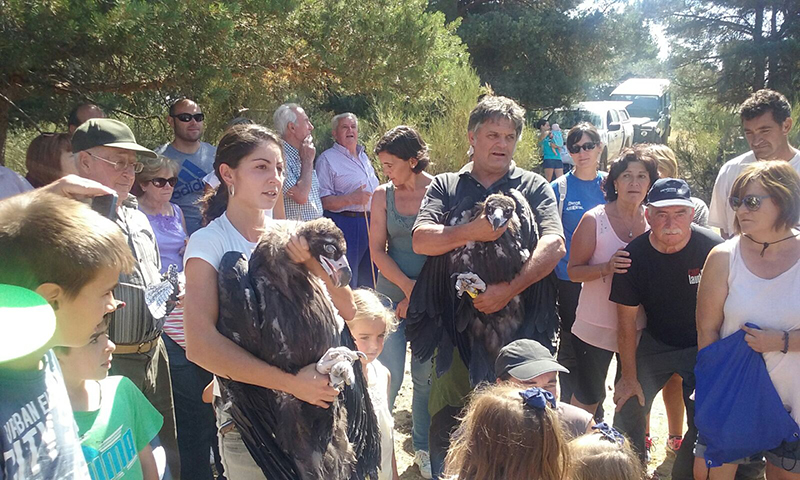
(785, 342)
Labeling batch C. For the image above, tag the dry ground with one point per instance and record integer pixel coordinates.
(405, 451)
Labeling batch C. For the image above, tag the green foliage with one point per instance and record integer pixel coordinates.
(705, 137)
(708, 134)
(547, 55)
(134, 56)
(443, 125)
(729, 48)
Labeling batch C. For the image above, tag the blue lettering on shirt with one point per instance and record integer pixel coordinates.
(582, 196)
(117, 455)
(190, 180)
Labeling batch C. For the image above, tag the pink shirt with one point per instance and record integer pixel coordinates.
(340, 173)
(596, 316)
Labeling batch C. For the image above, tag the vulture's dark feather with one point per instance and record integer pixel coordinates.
(279, 312)
(436, 314)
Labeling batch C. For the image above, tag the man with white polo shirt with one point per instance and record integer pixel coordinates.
(766, 121)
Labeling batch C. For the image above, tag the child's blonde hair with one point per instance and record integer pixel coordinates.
(369, 307)
(500, 438)
(596, 457)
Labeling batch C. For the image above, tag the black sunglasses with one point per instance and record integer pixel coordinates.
(159, 182)
(586, 146)
(187, 117)
(752, 202)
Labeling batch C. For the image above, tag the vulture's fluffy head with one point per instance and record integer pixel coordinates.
(326, 243)
(499, 209)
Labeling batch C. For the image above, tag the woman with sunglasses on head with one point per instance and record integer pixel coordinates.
(596, 254)
(579, 191)
(755, 277)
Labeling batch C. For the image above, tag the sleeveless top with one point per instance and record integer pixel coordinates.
(378, 387)
(170, 236)
(596, 316)
(398, 229)
(770, 304)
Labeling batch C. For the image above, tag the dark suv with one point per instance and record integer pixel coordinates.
(649, 108)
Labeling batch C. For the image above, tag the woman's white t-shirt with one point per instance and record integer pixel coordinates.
(213, 241)
(216, 239)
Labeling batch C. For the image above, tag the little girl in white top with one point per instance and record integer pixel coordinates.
(371, 325)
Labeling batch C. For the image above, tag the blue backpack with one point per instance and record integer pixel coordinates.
(737, 410)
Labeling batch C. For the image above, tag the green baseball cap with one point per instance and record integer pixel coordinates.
(107, 132)
(26, 320)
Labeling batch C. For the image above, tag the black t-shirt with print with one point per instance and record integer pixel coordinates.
(666, 285)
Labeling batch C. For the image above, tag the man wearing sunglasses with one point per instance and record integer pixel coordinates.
(195, 157)
(105, 151)
(766, 121)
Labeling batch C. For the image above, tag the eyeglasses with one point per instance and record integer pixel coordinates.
(586, 146)
(121, 165)
(187, 117)
(752, 202)
(160, 182)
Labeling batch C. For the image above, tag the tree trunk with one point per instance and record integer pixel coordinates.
(759, 61)
(773, 57)
(5, 108)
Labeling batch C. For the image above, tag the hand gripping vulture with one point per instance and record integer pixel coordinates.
(281, 313)
(441, 313)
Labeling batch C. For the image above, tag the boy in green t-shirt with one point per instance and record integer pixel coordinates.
(115, 421)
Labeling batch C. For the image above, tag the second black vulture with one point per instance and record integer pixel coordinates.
(439, 316)
(281, 313)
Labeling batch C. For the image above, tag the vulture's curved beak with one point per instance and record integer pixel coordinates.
(338, 270)
(497, 219)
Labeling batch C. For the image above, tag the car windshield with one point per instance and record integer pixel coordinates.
(567, 119)
(642, 106)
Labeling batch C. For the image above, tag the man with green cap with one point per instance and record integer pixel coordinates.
(105, 151)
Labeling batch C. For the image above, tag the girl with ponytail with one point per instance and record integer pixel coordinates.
(249, 165)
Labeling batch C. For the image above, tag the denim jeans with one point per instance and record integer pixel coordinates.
(357, 239)
(393, 357)
(197, 431)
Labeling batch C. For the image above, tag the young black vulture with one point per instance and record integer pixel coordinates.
(282, 314)
(440, 316)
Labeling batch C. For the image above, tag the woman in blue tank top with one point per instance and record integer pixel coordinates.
(403, 156)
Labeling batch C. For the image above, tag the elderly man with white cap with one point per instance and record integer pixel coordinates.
(105, 151)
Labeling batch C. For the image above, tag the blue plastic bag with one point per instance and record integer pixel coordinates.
(737, 410)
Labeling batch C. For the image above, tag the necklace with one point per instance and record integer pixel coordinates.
(630, 229)
(766, 245)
